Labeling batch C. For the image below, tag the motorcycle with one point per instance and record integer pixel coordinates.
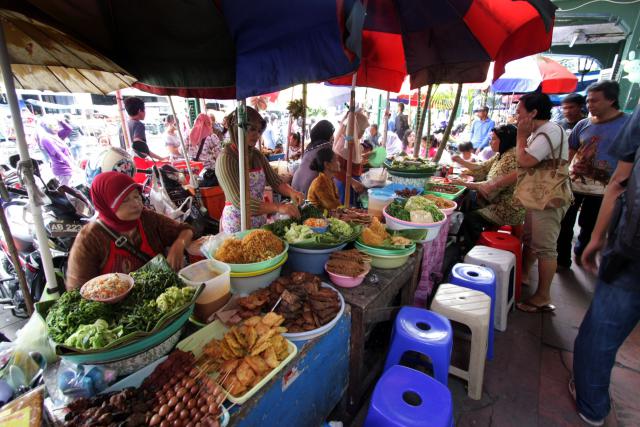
(66, 211)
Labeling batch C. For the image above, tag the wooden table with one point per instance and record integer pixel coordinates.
(370, 304)
(305, 392)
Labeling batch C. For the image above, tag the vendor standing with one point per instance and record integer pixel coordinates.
(260, 174)
(118, 200)
(358, 158)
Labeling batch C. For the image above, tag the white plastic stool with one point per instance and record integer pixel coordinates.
(503, 264)
(473, 309)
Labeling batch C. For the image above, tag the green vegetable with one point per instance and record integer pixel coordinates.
(418, 203)
(396, 209)
(70, 311)
(406, 163)
(143, 318)
(279, 227)
(339, 228)
(174, 297)
(93, 336)
(298, 233)
(149, 284)
(400, 209)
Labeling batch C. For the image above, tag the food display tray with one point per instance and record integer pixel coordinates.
(447, 196)
(136, 379)
(215, 330)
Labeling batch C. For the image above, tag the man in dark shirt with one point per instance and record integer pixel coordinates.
(572, 110)
(615, 308)
(137, 134)
(402, 121)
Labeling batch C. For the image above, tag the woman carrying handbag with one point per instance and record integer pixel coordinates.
(543, 189)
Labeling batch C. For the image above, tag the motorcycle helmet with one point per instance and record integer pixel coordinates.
(112, 159)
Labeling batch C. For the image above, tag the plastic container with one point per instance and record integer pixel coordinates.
(245, 283)
(449, 211)
(310, 260)
(386, 252)
(315, 333)
(213, 199)
(257, 266)
(217, 285)
(393, 187)
(448, 196)
(388, 261)
(216, 330)
(345, 281)
(112, 300)
(378, 199)
(397, 224)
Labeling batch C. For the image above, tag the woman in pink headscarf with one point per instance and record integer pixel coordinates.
(204, 145)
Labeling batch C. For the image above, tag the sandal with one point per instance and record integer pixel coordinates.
(528, 307)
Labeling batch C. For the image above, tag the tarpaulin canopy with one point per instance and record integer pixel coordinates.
(527, 74)
(215, 49)
(45, 58)
(449, 41)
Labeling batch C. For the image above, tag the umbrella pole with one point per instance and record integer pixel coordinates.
(427, 99)
(193, 180)
(385, 122)
(243, 165)
(52, 290)
(349, 139)
(123, 121)
(304, 118)
(13, 251)
(452, 118)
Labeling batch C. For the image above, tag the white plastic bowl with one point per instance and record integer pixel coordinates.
(303, 336)
(245, 283)
(432, 228)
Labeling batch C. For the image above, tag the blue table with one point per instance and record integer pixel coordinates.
(307, 389)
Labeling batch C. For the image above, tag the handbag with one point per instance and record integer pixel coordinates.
(121, 241)
(547, 184)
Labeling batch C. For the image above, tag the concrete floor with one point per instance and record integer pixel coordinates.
(526, 383)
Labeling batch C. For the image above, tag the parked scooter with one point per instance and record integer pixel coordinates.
(66, 211)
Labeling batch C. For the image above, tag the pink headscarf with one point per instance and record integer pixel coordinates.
(202, 128)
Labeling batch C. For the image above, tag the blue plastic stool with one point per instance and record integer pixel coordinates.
(480, 279)
(405, 397)
(422, 331)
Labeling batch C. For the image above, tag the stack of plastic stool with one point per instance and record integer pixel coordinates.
(506, 242)
(480, 279)
(404, 397)
(472, 309)
(425, 332)
(503, 264)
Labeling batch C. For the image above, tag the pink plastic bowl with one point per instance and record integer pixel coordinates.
(345, 281)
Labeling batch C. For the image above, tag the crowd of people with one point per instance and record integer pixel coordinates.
(536, 174)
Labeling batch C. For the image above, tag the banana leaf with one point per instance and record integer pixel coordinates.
(157, 263)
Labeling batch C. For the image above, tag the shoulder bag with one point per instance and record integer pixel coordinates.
(121, 241)
(547, 184)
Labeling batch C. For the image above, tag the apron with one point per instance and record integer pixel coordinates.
(121, 260)
(230, 220)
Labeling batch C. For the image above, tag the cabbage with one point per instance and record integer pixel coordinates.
(418, 203)
(298, 233)
(339, 228)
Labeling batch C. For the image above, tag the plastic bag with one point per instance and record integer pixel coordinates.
(33, 337)
(77, 381)
(210, 244)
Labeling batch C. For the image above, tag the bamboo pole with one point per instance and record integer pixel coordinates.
(350, 141)
(123, 121)
(385, 122)
(245, 218)
(416, 147)
(452, 118)
(52, 291)
(304, 118)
